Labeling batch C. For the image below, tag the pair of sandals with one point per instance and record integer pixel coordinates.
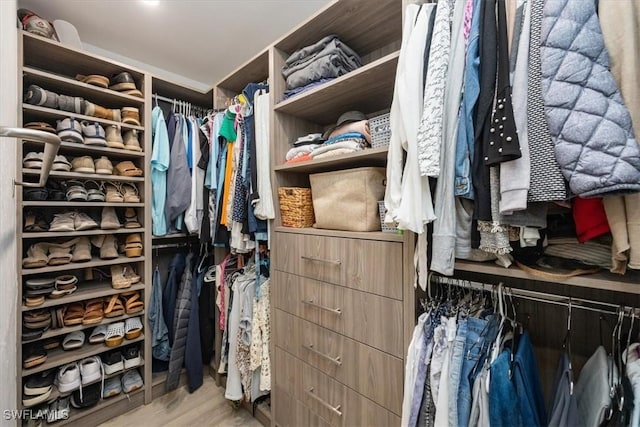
(123, 276)
(125, 303)
(121, 192)
(80, 313)
(89, 191)
(118, 331)
(37, 289)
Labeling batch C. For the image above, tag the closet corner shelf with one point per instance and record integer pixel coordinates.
(86, 291)
(93, 176)
(44, 114)
(67, 86)
(61, 357)
(603, 281)
(70, 205)
(82, 149)
(54, 234)
(256, 69)
(367, 157)
(368, 235)
(76, 414)
(68, 329)
(96, 262)
(368, 89)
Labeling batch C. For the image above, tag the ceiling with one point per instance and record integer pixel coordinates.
(202, 41)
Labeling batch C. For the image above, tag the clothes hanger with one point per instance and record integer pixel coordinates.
(156, 98)
(567, 346)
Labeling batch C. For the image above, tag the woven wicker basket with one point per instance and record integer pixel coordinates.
(296, 207)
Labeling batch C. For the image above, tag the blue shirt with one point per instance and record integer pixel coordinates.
(159, 165)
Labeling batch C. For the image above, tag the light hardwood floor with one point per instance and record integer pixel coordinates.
(205, 407)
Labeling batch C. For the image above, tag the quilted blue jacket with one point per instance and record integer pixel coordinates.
(589, 123)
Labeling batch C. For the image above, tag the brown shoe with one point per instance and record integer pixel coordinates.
(114, 136)
(131, 141)
(131, 116)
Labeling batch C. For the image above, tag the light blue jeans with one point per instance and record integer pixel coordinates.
(455, 369)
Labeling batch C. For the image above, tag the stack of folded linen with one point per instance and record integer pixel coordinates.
(351, 133)
(327, 59)
(303, 146)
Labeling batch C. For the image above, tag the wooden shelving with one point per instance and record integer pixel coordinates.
(96, 262)
(54, 234)
(368, 89)
(365, 235)
(66, 86)
(603, 281)
(71, 205)
(83, 150)
(255, 70)
(59, 357)
(86, 291)
(85, 176)
(101, 406)
(68, 329)
(43, 114)
(366, 157)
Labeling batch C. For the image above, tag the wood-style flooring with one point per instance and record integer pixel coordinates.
(205, 407)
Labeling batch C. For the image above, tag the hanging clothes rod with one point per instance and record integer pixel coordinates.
(172, 245)
(174, 100)
(580, 303)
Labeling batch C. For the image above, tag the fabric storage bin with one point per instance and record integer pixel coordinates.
(380, 127)
(296, 207)
(348, 199)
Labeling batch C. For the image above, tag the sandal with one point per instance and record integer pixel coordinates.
(113, 192)
(129, 192)
(34, 356)
(34, 301)
(82, 250)
(34, 222)
(131, 274)
(94, 312)
(108, 245)
(132, 303)
(133, 328)
(94, 79)
(73, 314)
(65, 282)
(73, 340)
(37, 319)
(114, 306)
(127, 168)
(118, 278)
(131, 219)
(115, 334)
(36, 194)
(63, 222)
(98, 334)
(95, 191)
(36, 256)
(51, 343)
(109, 219)
(76, 191)
(133, 246)
(60, 253)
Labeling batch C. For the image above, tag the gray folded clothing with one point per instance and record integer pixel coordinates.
(309, 52)
(324, 67)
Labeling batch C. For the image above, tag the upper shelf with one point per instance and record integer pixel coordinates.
(367, 157)
(46, 54)
(368, 89)
(37, 113)
(602, 281)
(67, 86)
(254, 70)
(75, 148)
(364, 25)
(93, 176)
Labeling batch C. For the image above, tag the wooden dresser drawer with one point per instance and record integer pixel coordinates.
(332, 401)
(367, 318)
(290, 412)
(366, 265)
(370, 372)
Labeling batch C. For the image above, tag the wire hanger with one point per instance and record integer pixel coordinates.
(567, 345)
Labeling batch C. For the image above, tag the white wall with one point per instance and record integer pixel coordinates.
(8, 149)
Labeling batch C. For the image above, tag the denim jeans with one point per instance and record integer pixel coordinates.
(504, 408)
(423, 362)
(480, 334)
(527, 382)
(479, 416)
(455, 369)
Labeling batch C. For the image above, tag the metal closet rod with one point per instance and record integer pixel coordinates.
(172, 100)
(580, 303)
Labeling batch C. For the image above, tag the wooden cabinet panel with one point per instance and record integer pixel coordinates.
(366, 265)
(290, 412)
(368, 318)
(373, 373)
(332, 401)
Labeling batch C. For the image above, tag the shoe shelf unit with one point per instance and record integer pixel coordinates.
(53, 67)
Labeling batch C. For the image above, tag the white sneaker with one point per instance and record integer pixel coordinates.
(70, 130)
(68, 378)
(90, 369)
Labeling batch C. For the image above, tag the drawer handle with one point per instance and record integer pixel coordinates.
(317, 259)
(337, 311)
(336, 410)
(311, 348)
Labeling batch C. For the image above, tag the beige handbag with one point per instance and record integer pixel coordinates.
(348, 199)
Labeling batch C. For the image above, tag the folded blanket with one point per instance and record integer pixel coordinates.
(361, 127)
(332, 65)
(312, 51)
(298, 90)
(347, 136)
(304, 149)
(349, 144)
(299, 158)
(336, 152)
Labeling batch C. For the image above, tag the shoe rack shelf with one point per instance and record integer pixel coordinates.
(78, 175)
(71, 205)
(95, 262)
(59, 357)
(76, 149)
(54, 66)
(45, 114)
(60, 84)
(51, 333)
(85, 292)
(53, 234)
